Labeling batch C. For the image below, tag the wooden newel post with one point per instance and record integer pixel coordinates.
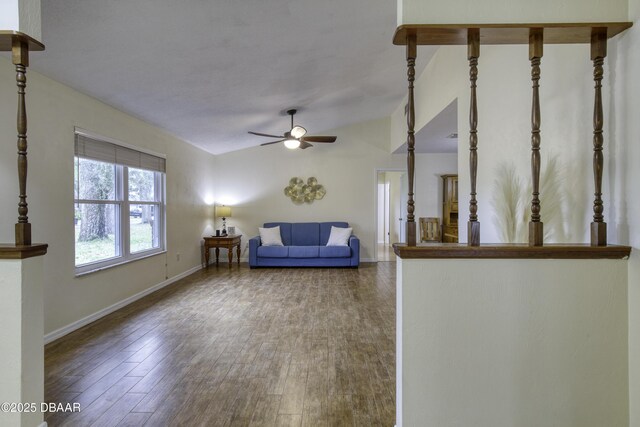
(473, 53)
(411, 73)
(536, 232)
(20, 56)
(598, 53)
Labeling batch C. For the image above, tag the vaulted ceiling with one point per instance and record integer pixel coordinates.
(208, 71)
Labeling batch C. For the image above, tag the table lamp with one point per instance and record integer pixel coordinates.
(224, 212)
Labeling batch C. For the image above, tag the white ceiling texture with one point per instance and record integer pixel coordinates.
(208, 71)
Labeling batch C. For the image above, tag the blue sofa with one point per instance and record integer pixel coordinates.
(304, 246)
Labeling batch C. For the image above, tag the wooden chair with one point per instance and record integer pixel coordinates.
(430, 229)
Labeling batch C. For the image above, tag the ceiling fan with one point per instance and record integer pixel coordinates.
(295, 138)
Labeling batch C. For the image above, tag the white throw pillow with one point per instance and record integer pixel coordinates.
(270, 236)
(339, 236)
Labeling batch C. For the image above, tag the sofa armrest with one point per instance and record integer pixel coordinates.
(354, 243)
(254, 242)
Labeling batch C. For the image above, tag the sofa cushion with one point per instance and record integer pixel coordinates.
(273, 251)
(285, 231)
(339, 236)
(270, 236)
(305, 234)
(325, 230)
(335, 251)
(303, 251)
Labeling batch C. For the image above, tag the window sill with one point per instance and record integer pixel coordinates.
(106, 267)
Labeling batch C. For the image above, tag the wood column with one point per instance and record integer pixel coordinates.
(411, 73)
(20, 56)
(473, 53)
(598, 53)
(536, 232)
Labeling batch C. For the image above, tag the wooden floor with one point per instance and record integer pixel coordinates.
(385, 253)
(239, 347)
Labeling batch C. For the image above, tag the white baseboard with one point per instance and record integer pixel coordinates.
(44, 424)
(58, 333)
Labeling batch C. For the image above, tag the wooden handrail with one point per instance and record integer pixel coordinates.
(456, 34)
(496, 251)
(473, 35)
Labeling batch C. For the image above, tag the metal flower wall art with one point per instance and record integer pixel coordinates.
(300, 193)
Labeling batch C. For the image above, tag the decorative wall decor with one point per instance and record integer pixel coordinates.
(300, 193)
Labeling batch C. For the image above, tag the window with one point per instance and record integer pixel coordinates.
(119, 209)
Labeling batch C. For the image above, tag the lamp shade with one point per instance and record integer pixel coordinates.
(223, 211)
(291, 143)
(298, 131)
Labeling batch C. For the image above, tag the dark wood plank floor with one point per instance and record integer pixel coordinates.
(239, 347)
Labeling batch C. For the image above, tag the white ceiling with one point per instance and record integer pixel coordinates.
(434, 137)
(209, 71)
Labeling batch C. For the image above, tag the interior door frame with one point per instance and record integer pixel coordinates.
(375, 211)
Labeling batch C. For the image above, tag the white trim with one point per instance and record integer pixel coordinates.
(376, 171)
(44, 424)
(99, 267)
(94, 135)
(123, 226)
(58, 333)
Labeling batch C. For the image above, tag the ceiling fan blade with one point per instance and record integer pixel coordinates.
(265, 134)
(319, 138)
(305, 145)
(272, 142)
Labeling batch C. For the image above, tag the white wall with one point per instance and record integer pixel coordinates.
(512, 343)
(21, 15)
(381, 207)
(395, 209)
(624, 57)
(442, 81)
(253, 180)
(429, 168)
(21, 339)
(567, 103)
(53, 111)
(508, 11)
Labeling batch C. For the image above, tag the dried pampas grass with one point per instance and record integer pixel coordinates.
(512, 200)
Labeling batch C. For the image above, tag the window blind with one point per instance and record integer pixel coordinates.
(104, 151)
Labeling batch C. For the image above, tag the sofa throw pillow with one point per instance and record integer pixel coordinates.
(270, 236)
(339, 236)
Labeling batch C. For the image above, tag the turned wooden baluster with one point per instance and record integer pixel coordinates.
(20, 56)
(411, 73)
(598, 53)
(535, 53)
(473, 53)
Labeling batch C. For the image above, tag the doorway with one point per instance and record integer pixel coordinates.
(391, 201)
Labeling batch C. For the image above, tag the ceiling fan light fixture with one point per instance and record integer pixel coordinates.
(291, 143)
(296, 137)
(298, 131)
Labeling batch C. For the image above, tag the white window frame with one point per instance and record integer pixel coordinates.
(122, 229)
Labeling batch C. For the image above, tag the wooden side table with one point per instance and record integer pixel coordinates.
(218, 242)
